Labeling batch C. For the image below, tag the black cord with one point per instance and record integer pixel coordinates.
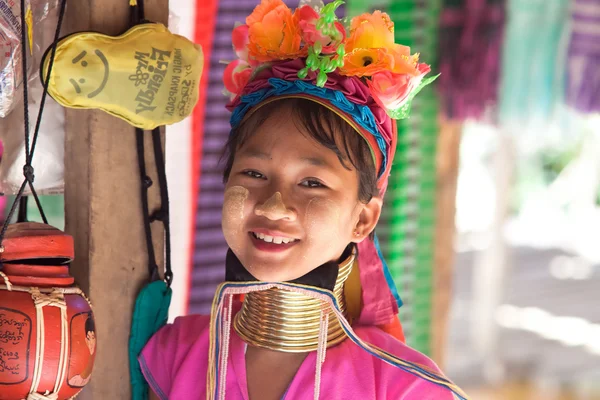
(162, 214)
(25, 93)
(28, 171)
(45, 83)
(12, 210)
(146, 183)
(37, 201)
(137, 13)
(22, 215)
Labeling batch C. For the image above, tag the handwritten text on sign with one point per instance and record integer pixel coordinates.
(15, 337)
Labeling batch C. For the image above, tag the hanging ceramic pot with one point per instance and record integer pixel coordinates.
(47, 330)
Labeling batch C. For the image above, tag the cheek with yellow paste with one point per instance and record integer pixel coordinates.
(234, 215)
(322, 220)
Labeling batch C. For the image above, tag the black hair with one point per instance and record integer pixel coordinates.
(90, 325)
(321, 124)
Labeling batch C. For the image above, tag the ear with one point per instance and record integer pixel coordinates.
(367, 219)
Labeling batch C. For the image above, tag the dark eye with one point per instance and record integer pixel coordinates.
(253, 174)
(312, 183)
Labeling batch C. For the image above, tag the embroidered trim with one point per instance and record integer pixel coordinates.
(150, 379)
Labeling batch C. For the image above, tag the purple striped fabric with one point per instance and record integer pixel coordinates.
(209, 245)
(470, 42)
(583, 77)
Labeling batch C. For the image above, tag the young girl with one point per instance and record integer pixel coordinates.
(311, 147)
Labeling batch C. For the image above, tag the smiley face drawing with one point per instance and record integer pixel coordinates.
(80, 58)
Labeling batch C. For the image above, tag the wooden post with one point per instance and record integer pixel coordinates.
(103, 208)
(447, 175)
(491, 266)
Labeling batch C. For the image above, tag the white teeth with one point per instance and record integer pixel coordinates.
(273, 239)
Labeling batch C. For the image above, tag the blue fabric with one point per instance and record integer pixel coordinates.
(388, 274)
(361, 114)
(535, 31)
(149, 315)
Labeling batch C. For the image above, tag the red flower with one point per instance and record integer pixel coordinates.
(236, 76)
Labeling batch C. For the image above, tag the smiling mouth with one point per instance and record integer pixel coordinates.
(273, 239)
(272, 244)
(100, 88)
(104, 78)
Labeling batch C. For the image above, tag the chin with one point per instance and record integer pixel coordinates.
(273, 271)
(266, 274)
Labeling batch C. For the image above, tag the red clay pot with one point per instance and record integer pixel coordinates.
(47, 331)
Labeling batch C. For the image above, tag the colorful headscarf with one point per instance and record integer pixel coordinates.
(359, 73)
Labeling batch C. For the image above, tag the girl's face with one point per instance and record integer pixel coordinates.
(290, 205)
(90, 340)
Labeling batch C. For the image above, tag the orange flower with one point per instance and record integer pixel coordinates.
(370, 48)
(273, 32)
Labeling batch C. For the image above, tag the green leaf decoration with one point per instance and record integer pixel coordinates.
(404, 111)
(316, 61)
(328, 18)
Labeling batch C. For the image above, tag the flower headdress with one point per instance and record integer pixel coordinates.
(273, 33)
(358, 72)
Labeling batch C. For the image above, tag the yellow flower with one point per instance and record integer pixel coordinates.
(370, 48)
(371, 31)
(404, 63)
(367, 62)
(273, 32)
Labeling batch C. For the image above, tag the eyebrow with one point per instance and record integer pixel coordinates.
(257, 153)
(316, 161)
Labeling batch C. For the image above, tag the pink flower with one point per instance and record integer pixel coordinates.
(236, 76)
(391, 91)
(307, 21)
(240, 38)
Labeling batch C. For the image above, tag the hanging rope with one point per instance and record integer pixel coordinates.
(146, 183)
(22, 215)
(162, 214)
(28, 171)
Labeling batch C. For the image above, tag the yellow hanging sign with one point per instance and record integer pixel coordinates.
(147, 76)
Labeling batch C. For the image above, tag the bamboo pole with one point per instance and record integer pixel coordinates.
(491, 266)
(447, 175)
(103, 208)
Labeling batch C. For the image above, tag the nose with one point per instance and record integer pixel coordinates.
(275, 210)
